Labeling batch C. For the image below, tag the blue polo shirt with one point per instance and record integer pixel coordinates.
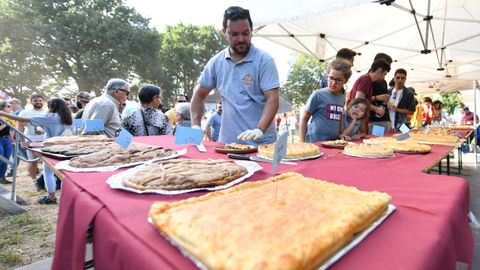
(215, 121)
(242, 85)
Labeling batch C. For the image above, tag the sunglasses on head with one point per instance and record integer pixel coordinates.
(236, 10)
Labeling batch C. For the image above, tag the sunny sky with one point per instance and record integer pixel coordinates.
(198, 13)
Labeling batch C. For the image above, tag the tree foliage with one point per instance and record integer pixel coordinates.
(303, 78)
(22, 67)
(451, 101)
(184, 52)
(89, 41)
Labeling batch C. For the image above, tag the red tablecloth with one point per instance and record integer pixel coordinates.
(429, 229)
(464, 133)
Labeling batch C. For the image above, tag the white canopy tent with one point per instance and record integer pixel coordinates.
(432, 39)
(436, 41)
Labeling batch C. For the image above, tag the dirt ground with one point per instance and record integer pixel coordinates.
(30, 236)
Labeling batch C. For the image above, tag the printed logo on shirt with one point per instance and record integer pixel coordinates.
(334, 112)
(247, 79)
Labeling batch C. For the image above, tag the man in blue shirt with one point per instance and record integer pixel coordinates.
(214, 123)
(247, 79)
(16, 105)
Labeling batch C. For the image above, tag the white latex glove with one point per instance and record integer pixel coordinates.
(196, 127)
(251, 134)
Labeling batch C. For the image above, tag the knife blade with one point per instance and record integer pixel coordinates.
(258, 159)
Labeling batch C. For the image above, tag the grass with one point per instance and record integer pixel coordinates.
(11, 239)
(14, 230)
(23, 223)
(10, 258)
(28, 237)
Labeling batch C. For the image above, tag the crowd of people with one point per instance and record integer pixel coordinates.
(247, 79)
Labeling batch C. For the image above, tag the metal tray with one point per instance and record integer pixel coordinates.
(39, 149)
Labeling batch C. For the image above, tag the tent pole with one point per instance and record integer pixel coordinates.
(299, 42)
(456, 19)
(475, 88)
(418, 26)
(427, 25)
(457, 41)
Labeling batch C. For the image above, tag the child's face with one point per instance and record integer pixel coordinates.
(336, 80)
(358, 110)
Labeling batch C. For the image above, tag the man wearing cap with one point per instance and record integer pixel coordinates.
(247, 79)
(401, 101)
(34, 133)
(82, 98)
(107, 106)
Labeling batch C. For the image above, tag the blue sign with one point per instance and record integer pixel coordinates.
(378, 131)
(94, 125)
(77, 123)
(185, 135)
(404, 128)
(124, 138)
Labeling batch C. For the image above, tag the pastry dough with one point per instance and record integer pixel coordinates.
(77, 139)
(452, 127)
(430, 138)
(367, 150)
(294, 150)
(399, 146)
(284, 222)
(79, 148)
(336, 142)
(116, 155)
(178, 174)
(460, 126)
(238, 146)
